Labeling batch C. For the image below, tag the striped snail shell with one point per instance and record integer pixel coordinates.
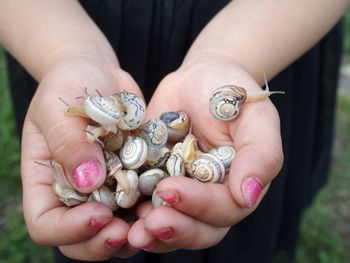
(149, 179)
(127, 199)
(113, 162)
(155, 133)
(157, 157)
(133, 152)
(208, 168)
(225, 153)
(133, 109)
(104, 196)
(175, 165)
(178, 124)
(103, 110)
(226, 101)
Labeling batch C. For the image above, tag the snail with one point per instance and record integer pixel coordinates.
(175, 165)
(157, 157)
(178, 124)
(225, 102)
(109, 140)
(133, 153)
(155, 133)
(104, 196)
(126, 198)
(226, 154)
(149, 179)
(63, 189)
(133, 109)
(208, 168)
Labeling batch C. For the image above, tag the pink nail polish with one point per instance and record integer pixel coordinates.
(251, 190)
(113, 244)
(164, 233)
(171, 197)
(98, 223)
(87, 174)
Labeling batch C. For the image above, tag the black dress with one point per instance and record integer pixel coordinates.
(151, 38)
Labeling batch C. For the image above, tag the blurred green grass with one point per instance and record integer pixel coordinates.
(324, 232)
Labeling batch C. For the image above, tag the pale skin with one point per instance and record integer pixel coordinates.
(77, 55)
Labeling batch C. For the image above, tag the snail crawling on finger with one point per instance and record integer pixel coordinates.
(226, 101)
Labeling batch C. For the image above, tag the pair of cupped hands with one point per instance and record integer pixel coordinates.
(199, 215)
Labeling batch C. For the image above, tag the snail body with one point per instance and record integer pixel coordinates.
(208, 168)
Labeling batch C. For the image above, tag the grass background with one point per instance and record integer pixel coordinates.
(324, 232)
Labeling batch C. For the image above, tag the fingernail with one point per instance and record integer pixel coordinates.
(98, 223)
(113, 244)
(87, 174)
(251, 190)
(164, 233)
(171, 197)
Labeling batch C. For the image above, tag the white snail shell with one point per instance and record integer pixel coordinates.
(103, 110)
(149, 179)
(226, 154)
(133, 153)
(133, 108)
(226, 101)
(155, 133)
(127, 199)
(157, 157)
(68, 196)
(104, 196)
(175, 165)
(178, 124)
(208, 168)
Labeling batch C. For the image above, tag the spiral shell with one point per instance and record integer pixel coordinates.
(133, 109)
(149, 179)
(127, 199)
(178, 124)
(175, 165)
(103, 110)
(208, 168)
(104, 196)
(155, 133)
(226, 154)
(225, 102)
(133, 152)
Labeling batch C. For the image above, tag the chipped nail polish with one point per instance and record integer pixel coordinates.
(164, 233)
(98, 223)
(170, 197)
(87, 174)
(251, 190)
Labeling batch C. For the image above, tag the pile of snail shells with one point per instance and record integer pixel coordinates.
(139, 155)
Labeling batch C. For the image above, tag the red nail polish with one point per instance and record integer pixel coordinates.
(98, 223)
(251, 190)
(164, 233)
(113, 244)
(87, 174)
(171, 197)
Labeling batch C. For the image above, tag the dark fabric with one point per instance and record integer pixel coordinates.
(151, 38)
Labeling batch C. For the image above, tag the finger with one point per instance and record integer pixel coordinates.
(175, 230)
(202, 200)
(110, 241)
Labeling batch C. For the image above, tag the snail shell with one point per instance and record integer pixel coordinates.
(68, 196)
(149, 179)
(156, 201)
(112, 141)
(133, 152)
(208, 168)
(226, 154)
(175, 165)
(225, 102)
(103, 110)
(133, 109)
(113, 162)
(104, 196)
(154, 132)
(157, 157)
(127, 199)
(178, 124)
